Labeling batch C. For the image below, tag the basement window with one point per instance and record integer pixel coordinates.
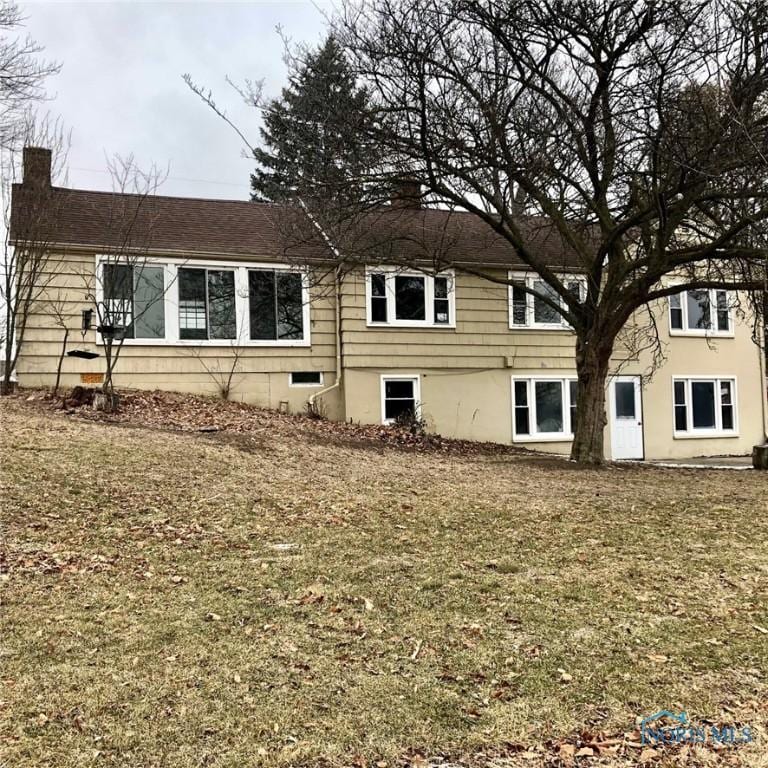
(704, 407)
(399, 398)
(543, 409)
(305, 378)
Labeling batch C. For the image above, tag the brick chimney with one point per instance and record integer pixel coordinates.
(37, 168)
(406, 194)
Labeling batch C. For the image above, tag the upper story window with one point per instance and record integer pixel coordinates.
(705, 311)
(527, 310)
(206, 304)
(409, 299)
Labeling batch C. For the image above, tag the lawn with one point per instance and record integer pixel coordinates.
(284, 595)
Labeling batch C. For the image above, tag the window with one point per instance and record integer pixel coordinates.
(207, 304)
(276, 305)
(399, 398)
(701, 311)
(306, 379)
(407, 299)
(134, 300)
(544, 409)
(527, 310)
(378, 298)
(704, 407)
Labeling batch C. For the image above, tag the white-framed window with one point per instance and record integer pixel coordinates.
(400, 397)
(409, 299)
(133, 300)
(704, 407)
(205, 303)
(701, 312)
(529, 311)
(543, 408)
(305, 379)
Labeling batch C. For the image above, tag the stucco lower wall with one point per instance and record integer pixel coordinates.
(477, 405)
(470, 405)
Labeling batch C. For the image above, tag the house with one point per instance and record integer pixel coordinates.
(213, 291)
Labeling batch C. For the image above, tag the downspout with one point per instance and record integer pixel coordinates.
(338, 279)
(339, 367)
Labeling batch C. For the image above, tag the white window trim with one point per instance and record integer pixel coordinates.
(296, 386)
(694, 434)
(414, 377)
(543, 437)
(702, 332)
(242, 316)
(530, 324)
(429, 299)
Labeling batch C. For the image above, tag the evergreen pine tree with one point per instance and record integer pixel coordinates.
(313, 137)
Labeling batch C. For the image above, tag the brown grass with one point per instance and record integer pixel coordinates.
(178, 599)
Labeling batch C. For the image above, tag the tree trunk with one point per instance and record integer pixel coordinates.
(592, 361)
(61, 361)
(6, 385)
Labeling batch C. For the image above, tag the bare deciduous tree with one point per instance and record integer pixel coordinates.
(632, 132)
(28, 267)
(223, 371)
(125, 289)
(22, 75)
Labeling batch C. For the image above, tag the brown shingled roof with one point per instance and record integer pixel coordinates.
(243, 228)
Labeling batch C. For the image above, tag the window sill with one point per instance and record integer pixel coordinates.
(561, 328)
(704, 433)
(415, 324)
(228, 343)
(543, 438)
(702, 334)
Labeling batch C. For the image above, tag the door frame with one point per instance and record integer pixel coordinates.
(638, 379)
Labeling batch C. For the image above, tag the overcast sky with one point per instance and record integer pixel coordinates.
(121, 90)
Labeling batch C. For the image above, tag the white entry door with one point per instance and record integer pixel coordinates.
(626, 418)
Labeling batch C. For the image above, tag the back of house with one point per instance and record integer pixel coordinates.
(209, 301)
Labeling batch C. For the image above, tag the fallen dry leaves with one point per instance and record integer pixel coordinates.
(283, 592)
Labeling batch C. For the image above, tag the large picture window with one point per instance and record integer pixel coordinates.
(543, 408)
(394, 297)
(704, 311)
(134, 300)
(205, 303)
(531, 310)
(276, 305)
(704, 407)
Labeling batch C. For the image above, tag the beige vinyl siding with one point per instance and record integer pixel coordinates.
(465, 373)
(261, 377)
(481, 339)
